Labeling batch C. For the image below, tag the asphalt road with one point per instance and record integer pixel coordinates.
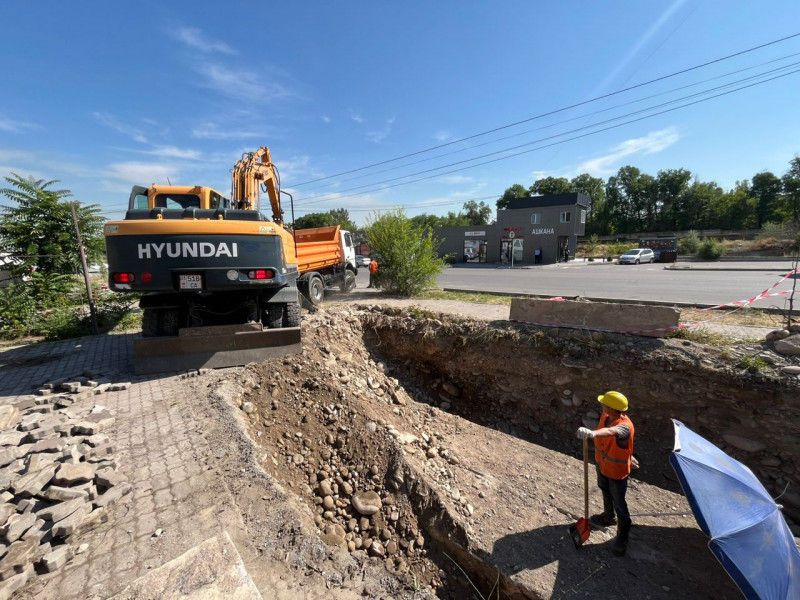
(692, 283)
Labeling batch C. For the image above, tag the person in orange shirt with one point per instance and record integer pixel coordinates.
(373, 268)
(613, 443)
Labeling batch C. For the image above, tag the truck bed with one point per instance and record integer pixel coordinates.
(318, 248)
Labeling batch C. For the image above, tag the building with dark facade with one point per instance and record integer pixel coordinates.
(533, 230)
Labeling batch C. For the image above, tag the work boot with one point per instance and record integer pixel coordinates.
(605, 518)
(620, 547)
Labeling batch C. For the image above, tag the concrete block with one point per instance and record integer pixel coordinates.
(56, 493)
(638, 319)
(62, 510)
(57, 558)
(68, 474)
(9, 416)
(33, 483)
(68, 525)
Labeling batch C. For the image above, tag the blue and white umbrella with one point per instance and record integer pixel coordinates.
(749, 535)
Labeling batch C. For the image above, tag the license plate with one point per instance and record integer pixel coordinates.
(190, 282)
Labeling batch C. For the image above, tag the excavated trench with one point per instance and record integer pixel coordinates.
(348, 428)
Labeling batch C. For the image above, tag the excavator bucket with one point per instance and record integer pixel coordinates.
(213, 347)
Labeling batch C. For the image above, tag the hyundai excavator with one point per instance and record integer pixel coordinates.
(219, 280)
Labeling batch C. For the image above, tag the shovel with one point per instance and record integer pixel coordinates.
(579, 532)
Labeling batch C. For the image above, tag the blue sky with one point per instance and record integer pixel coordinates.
(102, 96)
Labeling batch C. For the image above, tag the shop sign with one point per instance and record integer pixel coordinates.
(543, 231)
(474, 233)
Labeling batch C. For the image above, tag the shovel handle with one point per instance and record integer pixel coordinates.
(585, 478)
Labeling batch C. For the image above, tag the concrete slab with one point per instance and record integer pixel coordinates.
(650, 321)
(208, 571)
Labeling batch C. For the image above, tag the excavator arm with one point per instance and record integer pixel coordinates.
(253, 170)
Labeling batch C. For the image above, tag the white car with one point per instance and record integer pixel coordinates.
(636, 256)
(362, 261)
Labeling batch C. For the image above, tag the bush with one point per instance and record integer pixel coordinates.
(711, 249)
(690, 244)
(777, 231)
(63, 323)
(17, 311)
(620, 248)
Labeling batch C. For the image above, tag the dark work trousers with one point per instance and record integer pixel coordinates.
(614, 491)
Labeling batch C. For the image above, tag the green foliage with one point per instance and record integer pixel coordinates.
(341, 217)
(690, 243)
(312, 220)
(17, 311)
(620, 248)
(592, 244)
(477, 213)
(778, 231)
(40, 232)
(407, 262)
(515, 191)
(63, 323)
(550, 185)
(754, 364)
(711, 249)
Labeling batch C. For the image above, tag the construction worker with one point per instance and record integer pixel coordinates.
(613, 452)
(373, 268)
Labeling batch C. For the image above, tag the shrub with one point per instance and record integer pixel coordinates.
(17, 311)
(690, 244)
(711, 249)
(620, 248)
(63, 323)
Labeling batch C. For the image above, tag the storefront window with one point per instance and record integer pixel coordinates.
(474, 251)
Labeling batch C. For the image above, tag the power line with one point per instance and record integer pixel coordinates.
(559, 110)
(339, 197)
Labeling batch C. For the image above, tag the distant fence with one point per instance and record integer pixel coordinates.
(744, 234)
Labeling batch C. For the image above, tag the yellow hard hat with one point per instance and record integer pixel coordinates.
(614, 400)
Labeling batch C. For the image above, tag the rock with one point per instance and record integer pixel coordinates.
(33, 483)
(451, 389)
(791, 370)
(334, 535)
(743, 443)
(376, 549)
(9, 416)
(777, 334)
(366, 503)
(248, 408)
(69, 474)
(12, 438)
(400, 397)
(62, 510)
(16, 525)
(57, 558)
(57, 493)
(788, 347)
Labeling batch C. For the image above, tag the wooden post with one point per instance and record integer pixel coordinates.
(92, 311)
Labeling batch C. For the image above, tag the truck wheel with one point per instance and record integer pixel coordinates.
(150, 326)
(274, 316)
(170, 322)
(316, 291)
(292, 314)
(349, 283)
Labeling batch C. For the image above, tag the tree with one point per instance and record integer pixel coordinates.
(766, 187)
(477, 213)
(39, 230)
(594, 188)
(550, 185)
(671, 187)
(515, 191)
(791, 190)
(341, 217)
(312, 220)
(407, 262)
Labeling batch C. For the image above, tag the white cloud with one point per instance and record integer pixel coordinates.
(110, 121)
(456, 179)
(443, 136)
(356, 117)
(211, 131)
(173, 152)
(539, 175)
(13, 126)
(195, 38)
(326, 119)
(241, 84)
(378, 136)
(144, 173)
(650, 144)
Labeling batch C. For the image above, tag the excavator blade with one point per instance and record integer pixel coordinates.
(213, 347)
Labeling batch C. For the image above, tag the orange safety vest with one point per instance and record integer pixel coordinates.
(373, 267)
(614, 462)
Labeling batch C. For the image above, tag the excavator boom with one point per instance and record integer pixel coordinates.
(249, 174)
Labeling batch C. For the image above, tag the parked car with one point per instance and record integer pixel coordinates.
(636, 256)
(470, 254)
(362, 261)
(95, 268)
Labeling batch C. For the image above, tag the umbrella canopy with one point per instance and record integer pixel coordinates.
(749, 535)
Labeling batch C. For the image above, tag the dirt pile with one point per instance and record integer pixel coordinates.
(427, 447)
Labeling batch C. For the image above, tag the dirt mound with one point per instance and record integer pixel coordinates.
(435, 454)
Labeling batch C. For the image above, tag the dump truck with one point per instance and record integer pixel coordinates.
(219, 280)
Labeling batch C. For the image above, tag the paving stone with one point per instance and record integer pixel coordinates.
(69, 475)
(112, 496)
(71, 455)
(8, 454)
(90, 426)
(100, 452)
(12, 584)
(16, 525)
(26, 505)
(43, 434)
(78, 410)
(33, 483)
(62, 510)
(57, 558)
(97, 517)
(56, 493)
(55, 445)
(18, 558)
(100, 439)
(6, 510)
(9, 416)
(12, 438)
(35, 530)
(108, 478)
(67, 526)
(30, 422)
(37, 462)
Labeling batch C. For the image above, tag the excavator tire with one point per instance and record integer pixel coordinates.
(316, 291)
(349, 283)
(150, 326)
(159, 322)
(274, 315)
(292, 314)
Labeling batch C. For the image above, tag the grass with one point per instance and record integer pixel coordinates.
(700, 336)
(464, 297)
(754, 364)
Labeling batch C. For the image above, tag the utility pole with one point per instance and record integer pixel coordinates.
(92, 311)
